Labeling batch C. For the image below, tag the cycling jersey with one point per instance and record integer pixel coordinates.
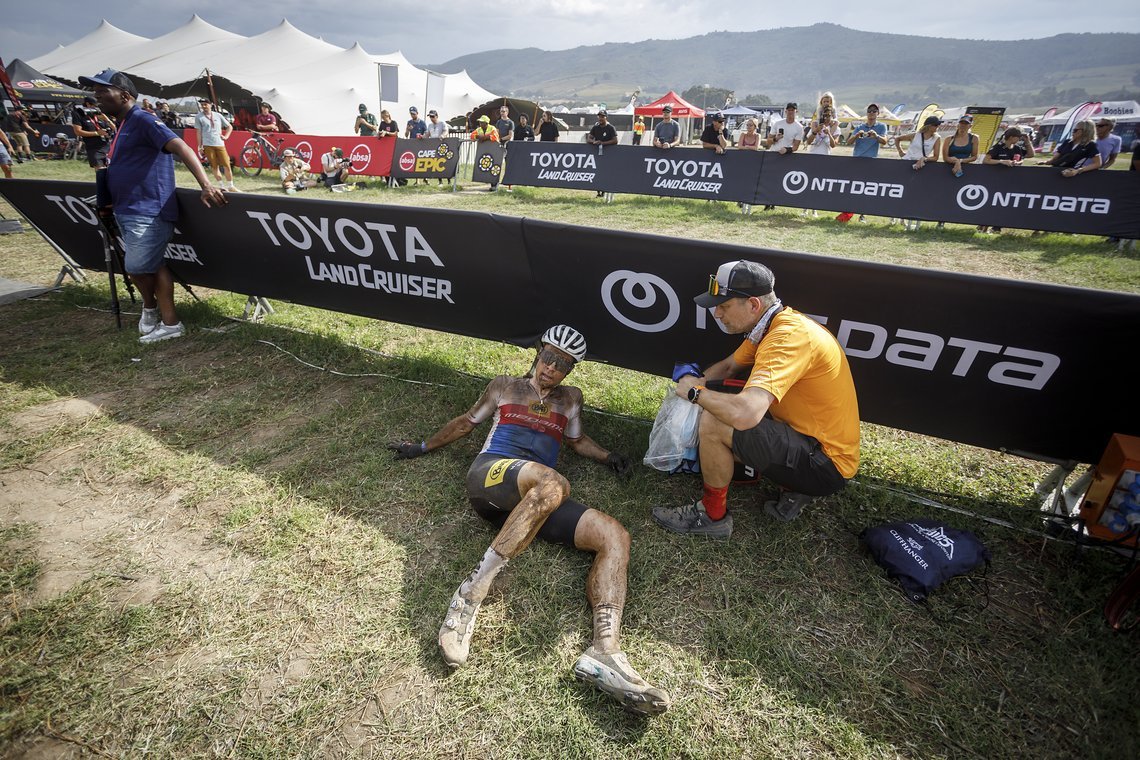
(524, 426)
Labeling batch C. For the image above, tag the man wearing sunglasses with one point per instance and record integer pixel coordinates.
(796, 421)
(513, 484)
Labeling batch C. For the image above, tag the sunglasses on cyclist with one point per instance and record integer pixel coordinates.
(548, 357)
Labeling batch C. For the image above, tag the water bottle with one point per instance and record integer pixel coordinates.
(601, 149)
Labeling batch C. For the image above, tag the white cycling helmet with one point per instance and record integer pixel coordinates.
(566, 338)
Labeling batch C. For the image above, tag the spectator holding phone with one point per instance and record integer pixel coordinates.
(866, 138)
(1013, 148)
(785, 136)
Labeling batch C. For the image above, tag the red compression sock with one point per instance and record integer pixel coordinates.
(714, 501)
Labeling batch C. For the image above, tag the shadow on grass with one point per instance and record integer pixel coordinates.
(783, 622)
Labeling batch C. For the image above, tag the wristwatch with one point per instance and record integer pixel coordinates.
(695, 393)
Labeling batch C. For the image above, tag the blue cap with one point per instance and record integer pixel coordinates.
(112, 78)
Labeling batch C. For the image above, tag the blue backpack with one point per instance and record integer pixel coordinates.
(923, 554)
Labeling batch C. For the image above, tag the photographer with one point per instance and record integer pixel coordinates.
(96, 131)
(335, 168)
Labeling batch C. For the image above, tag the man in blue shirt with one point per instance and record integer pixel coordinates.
(416, 128)
(138, 187)
(867, 139)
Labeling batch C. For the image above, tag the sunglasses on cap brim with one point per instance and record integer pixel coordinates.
(715, 289)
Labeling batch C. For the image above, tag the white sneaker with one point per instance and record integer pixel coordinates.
(149, 320)
(612, 674)
(233, 188)
(163, 332)
(290, 191)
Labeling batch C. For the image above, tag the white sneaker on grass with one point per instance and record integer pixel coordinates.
(163, 332)
(149, 321)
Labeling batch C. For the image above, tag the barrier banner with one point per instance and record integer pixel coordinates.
(488, 166)
(1002, 364)
(1031, 198)
(371, 156)
(676, 173)
(429, 158)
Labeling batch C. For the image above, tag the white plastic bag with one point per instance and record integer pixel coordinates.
(674, 431)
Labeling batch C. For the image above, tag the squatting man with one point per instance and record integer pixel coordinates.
(796, 421)
(513, 484)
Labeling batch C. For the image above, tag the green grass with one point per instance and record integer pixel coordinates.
(256, 577)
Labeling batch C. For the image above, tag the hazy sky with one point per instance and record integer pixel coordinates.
(429, 32)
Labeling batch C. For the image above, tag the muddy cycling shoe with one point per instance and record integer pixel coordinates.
(455, 633)
(612, 674)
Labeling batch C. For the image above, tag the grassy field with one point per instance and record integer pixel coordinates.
(206, 551)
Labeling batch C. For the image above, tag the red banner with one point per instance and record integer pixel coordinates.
(370, 156)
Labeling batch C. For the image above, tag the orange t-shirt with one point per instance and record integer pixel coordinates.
(802, 365)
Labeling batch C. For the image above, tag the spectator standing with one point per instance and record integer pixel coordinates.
(867, 137)
(435, 127)
(6, 151)
(146, 106)
(139, 190)
(821, 137)
(266, 121)
(21, 128)
(826, 103)
(1079, 153)
(548, 128)
(388, 126)
(169, 118)
(962, 147)
(1013, 148)
(749, 139)
(483, 133)
(602, 134)
(505, 125)
(365, 124)
(523, 130)
(638, 129)
(715, 136)
(785, 136)
(924, 148)
(667, 134)
(213, 131)
(95, 130)
(1107, 144)
(415, 129)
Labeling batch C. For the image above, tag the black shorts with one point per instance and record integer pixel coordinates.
(97, 157)
(493, 488)
(791, 459)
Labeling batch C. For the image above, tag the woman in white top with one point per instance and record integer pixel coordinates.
(923, 144)
(923, 149)
(824, 133)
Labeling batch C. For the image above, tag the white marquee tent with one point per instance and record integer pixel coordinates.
(313, 84)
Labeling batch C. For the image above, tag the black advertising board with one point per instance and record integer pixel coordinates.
(394, 263)
(996, 363)
(1031, 198)
(677, 173)
(488, 162)
(429, 158)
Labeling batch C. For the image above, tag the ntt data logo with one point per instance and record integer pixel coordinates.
(795, 182)
(973, 197)
(639, 292)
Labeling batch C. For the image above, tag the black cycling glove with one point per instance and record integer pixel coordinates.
(408, 450)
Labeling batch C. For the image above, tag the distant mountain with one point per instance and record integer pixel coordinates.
(799, 62)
